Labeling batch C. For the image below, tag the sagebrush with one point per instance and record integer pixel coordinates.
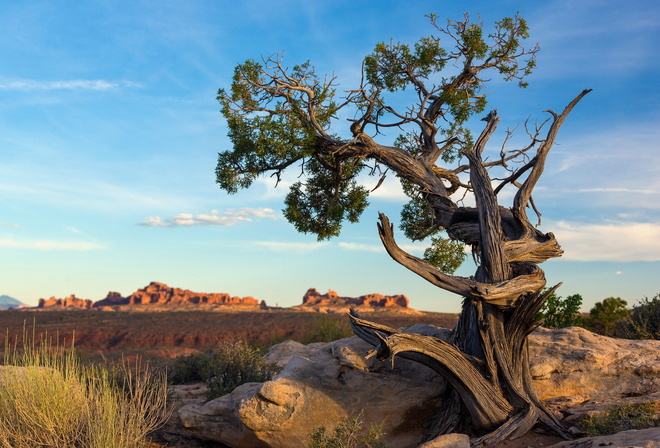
(558, 312)
(231, 364)
(327, 328)
(348, 433)
(645, 319)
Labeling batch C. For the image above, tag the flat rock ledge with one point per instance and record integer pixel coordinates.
(635, 438)
(323, 383)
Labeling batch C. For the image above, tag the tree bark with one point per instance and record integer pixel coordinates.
(486, 362)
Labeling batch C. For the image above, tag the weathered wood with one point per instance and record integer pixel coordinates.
(487, 361)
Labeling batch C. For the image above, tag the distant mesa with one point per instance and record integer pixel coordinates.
(8, 303)
(70, 302)
(332, 302)
(161, 294)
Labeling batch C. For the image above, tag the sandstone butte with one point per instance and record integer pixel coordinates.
(160, 294)
(153, 294)
(68, 302)
(313, 298)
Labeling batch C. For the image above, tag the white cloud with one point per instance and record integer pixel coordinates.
(279, 246)
(8, 224)
(612, 241)
(389, 190)
(379, 248)
(362, 247)
(78, 84)
(214, 218)
(616, 190)
(49, 245)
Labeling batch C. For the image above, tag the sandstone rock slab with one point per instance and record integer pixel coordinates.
(324, 383)
(635, 438)
(320, 389)
(573, 362)
(448, 441)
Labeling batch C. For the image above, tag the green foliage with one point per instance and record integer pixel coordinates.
(561, 313)
(608, 317)
(394, 67)
(49, 399)
(281, 118)
(270, 140)
(348, 433)
(325, 200)
(445, 254)
(327, 328)
(416, 219)
(622, 418)
(224, 369)
(645, 319)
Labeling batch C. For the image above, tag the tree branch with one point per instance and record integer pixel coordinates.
(525, 192)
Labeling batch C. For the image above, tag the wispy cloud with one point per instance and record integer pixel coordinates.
(213, 218)
(282, 246)
(362, 247)
(8, 224)
(50, 245)
(614, 241)
(616, 190)
(76, 84)
(378, 248)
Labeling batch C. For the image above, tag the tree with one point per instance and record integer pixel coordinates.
(281, 118)
(558, 312)
(606, 316)
(645, 319)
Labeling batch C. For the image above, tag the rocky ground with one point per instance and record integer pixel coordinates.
(157, 335)
(576, 373)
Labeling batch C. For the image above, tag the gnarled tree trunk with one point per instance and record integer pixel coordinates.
(486, 363)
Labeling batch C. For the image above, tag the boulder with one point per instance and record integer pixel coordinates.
(320, 389)
(322, 384)
(573, 363)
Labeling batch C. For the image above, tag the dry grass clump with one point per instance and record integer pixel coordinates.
(327, 328)
(48, 398)
(348, 433)
(623, 417)
(231, 364)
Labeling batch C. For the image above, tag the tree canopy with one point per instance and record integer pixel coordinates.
(280, 117)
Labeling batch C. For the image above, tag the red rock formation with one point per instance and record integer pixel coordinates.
(113, 298)
(313, 298)
(160, 293)
(68, 302)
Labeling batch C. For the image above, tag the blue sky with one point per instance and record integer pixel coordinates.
(109, 134)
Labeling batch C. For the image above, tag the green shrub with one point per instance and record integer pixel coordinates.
(327, 328)
(622, 418)
(233, 363)
(609, 317)
(561, 313)
(49, 399)
(645, 319)
(348, 434)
